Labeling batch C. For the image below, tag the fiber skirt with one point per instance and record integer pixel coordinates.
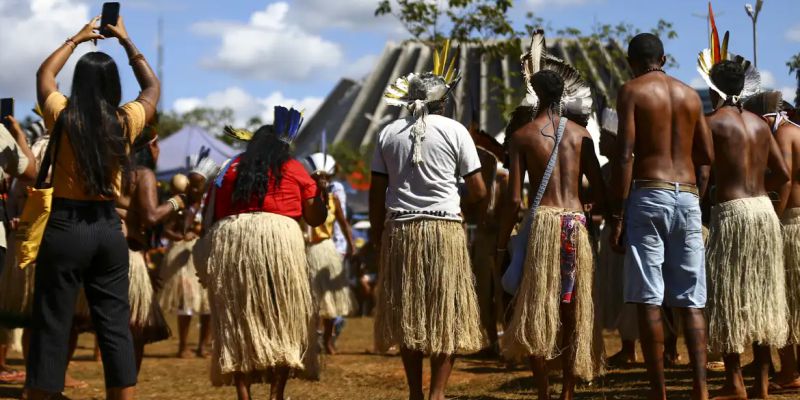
(791, 252)
(746, 276)
(536, 321)
(328, 280)
(426, 289)
(147, 320)
(182, 293)
(254, 266)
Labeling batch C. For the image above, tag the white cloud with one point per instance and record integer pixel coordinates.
(793, 33)
(245, 105)
(361, 67)
(767, 79)
(31, 30)
(698, 83)
(789, 93)
(346, 14)
(269, 47)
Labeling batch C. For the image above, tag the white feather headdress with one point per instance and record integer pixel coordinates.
(577, 97)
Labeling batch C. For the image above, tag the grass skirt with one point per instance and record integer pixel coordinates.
(535, 324)
(254, 266)
(791, 251)
(426, 289)
(147, 320)
(329, 281)
(746, 276)
(182, 293)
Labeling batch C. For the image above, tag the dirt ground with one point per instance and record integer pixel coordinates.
(356, 373)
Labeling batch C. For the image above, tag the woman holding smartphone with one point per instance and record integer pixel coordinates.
(83, 244)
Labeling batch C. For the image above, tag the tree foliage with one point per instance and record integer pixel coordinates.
(794, 68)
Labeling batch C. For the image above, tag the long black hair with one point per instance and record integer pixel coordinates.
(93, 126)
(264, 158)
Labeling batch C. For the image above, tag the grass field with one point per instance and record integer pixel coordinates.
(357, 373)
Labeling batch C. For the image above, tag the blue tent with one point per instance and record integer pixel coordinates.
(178, 147)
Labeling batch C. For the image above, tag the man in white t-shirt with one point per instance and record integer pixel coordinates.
(426, 301)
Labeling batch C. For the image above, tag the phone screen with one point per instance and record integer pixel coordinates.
(6, 108)
(110, 16)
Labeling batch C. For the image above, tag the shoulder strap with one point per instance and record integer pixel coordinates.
(551, 165)
(50, 155)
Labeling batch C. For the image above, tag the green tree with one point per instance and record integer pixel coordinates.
(794, 68)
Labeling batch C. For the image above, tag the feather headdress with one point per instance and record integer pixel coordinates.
(610, 122)
(287, 123)
(321, 163)
(717, 52)
(238, 134)
(415, 91)
(577, 97)
(202, 164)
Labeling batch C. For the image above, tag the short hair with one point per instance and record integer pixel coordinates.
(728, 76)
(549, 86)
(646, 48)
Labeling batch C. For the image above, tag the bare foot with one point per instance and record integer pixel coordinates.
(201, 352)
(330, 349)
(621, 359)
(671, 360)
(730, 393)
(779, 386)
(72, 383)
(186, 353)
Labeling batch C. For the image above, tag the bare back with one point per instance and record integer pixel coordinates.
(788, 138)
(576, 157)
(666, 115)
(742, 146)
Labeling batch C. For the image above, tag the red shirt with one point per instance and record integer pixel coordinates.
(287, 199)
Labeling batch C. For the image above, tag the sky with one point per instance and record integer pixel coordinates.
(250, 55)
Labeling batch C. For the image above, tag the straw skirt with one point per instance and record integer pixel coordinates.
(791, 251)
(746, 276)
(182, 293)
(328, 280)
(147, 320)
(536, 321)
(254, 266)
(426, 289)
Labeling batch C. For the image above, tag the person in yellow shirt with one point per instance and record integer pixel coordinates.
(83, 244)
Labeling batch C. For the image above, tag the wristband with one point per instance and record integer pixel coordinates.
(174, 204)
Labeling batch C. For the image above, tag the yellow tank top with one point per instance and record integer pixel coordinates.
(325, 231)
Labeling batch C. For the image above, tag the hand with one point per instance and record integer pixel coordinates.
(89, 32)
(13, 127)
(351, 250)
(616, 239)
(118, 31)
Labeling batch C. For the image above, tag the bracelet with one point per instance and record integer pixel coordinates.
(174, 204)
(71, 43)
(137, 57)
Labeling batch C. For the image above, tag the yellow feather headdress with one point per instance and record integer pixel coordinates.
(431, 86)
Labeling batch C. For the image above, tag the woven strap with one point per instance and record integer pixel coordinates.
(548, 172)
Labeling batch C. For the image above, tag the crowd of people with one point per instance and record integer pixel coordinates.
(693, 225)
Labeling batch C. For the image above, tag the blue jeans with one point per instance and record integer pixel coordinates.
(665, 254)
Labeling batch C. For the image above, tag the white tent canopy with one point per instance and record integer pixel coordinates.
(178, 147)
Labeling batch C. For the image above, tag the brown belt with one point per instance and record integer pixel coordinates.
(681, 187)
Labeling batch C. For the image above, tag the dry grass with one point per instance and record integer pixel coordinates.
(358, 374)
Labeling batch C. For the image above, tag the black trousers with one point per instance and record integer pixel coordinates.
(82, 245)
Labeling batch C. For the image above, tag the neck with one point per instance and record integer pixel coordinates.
(652, 68)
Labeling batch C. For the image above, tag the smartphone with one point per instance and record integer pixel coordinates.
(6, 109)
(110, 16)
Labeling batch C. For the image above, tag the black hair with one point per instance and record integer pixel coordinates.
(549, 86)
(263, 159)
(142, 154)
(728, 76)
(646, 48)
(94, 129)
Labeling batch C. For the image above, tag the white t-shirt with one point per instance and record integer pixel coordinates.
(429, 189)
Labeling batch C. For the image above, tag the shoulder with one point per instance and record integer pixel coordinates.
(577, 130)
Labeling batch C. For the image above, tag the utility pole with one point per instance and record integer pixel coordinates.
(753, 12)
(707, 17)
(160, 61)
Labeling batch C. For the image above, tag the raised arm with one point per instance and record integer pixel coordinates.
(28, 175)
(148, 82)
(147, 197)
(46, 75)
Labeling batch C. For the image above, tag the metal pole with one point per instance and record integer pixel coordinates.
(755, 44)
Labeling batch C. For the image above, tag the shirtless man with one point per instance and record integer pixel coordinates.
(139, 209)
(661, 121)
(787, 135)
(537, 319)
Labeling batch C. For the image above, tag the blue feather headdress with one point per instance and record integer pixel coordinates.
(287, 123)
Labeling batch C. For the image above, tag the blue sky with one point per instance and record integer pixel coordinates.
(252, 54)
